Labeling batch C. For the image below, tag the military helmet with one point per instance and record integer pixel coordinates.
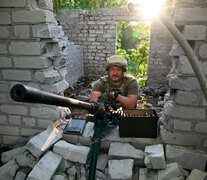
(116, 60)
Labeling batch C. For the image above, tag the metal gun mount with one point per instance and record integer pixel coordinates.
(102, 115)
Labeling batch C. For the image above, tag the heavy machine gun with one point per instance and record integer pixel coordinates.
(103, 115)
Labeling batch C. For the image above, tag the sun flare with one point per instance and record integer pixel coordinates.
(149, 8)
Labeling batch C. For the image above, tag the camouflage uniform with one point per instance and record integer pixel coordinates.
(104, 85)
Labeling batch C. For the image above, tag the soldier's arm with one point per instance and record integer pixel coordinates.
(94, 96)
(129, 101)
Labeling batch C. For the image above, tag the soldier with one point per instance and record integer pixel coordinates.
(123, 90)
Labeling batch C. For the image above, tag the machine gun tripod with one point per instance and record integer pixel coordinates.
(102, 114)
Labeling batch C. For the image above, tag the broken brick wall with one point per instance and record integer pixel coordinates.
(33, 51)
(184, 120)
(96, 32)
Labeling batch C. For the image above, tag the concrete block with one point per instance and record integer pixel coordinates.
(20, 175)
(178, 83)
(3, 49)
(43, 123)
(187, 158)
(46, 167)
(11, 3)
(29, 121)
(30, 131)
(190, 14)
(176, 50)
(8, 170)
(46, 112)
(197, 175)
(195, 32)
(26, 159)
(201, 127)
(154, 157)
(185, 112)
(102, 161)
(34, 62)
(147, 174)
(14, 109)
(186, 98)
(171, 171)
(182, 125)
(50, 76)
(125, 151)
(49, 31)
(43, 141)
(12, 154)
(120, 169)
(72, 152)
(4, 32)
(5, 18)
(59, 177)
(33, 16)
(18, 75)
(21, 31)
(88, 132)
(180, 138)
(10, 140)
(202, 51)
(25, 48)
(5, 62)
(3, 119)
(60, 86)
(47, 5)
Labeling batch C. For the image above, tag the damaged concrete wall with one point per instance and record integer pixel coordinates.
(96, 32)
(33, 51)
(159, 60)
(185, 112)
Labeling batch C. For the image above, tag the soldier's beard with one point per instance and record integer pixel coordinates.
(117, 80)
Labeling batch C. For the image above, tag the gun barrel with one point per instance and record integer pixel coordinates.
(23, 93)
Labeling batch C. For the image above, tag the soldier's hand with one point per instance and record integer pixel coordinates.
(114, 94)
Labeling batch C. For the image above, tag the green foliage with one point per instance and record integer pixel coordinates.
(87, 4)
(133, 44)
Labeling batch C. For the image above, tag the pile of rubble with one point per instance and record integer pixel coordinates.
(54, 155)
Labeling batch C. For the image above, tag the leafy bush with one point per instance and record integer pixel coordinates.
(133, 43)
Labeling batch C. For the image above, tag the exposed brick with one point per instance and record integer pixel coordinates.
(33, 16)
(186, 112)
(182, 125)
(14, 120)
(201, 127)
(5, 62)
(3, 119)
(18, 75)
(180, 138)
(14, 109)
(29, 121)
(21, 31)
(194, 14)
(35, 62)
(11, 140)
(29, 132)
(9, 130)
(12, 3)
(195, 32)
(25, 48)
(186, 98)
(43, 123)
(45, 112)
(4, 32)
(202, 51)
(5, 18)
(3, 49)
